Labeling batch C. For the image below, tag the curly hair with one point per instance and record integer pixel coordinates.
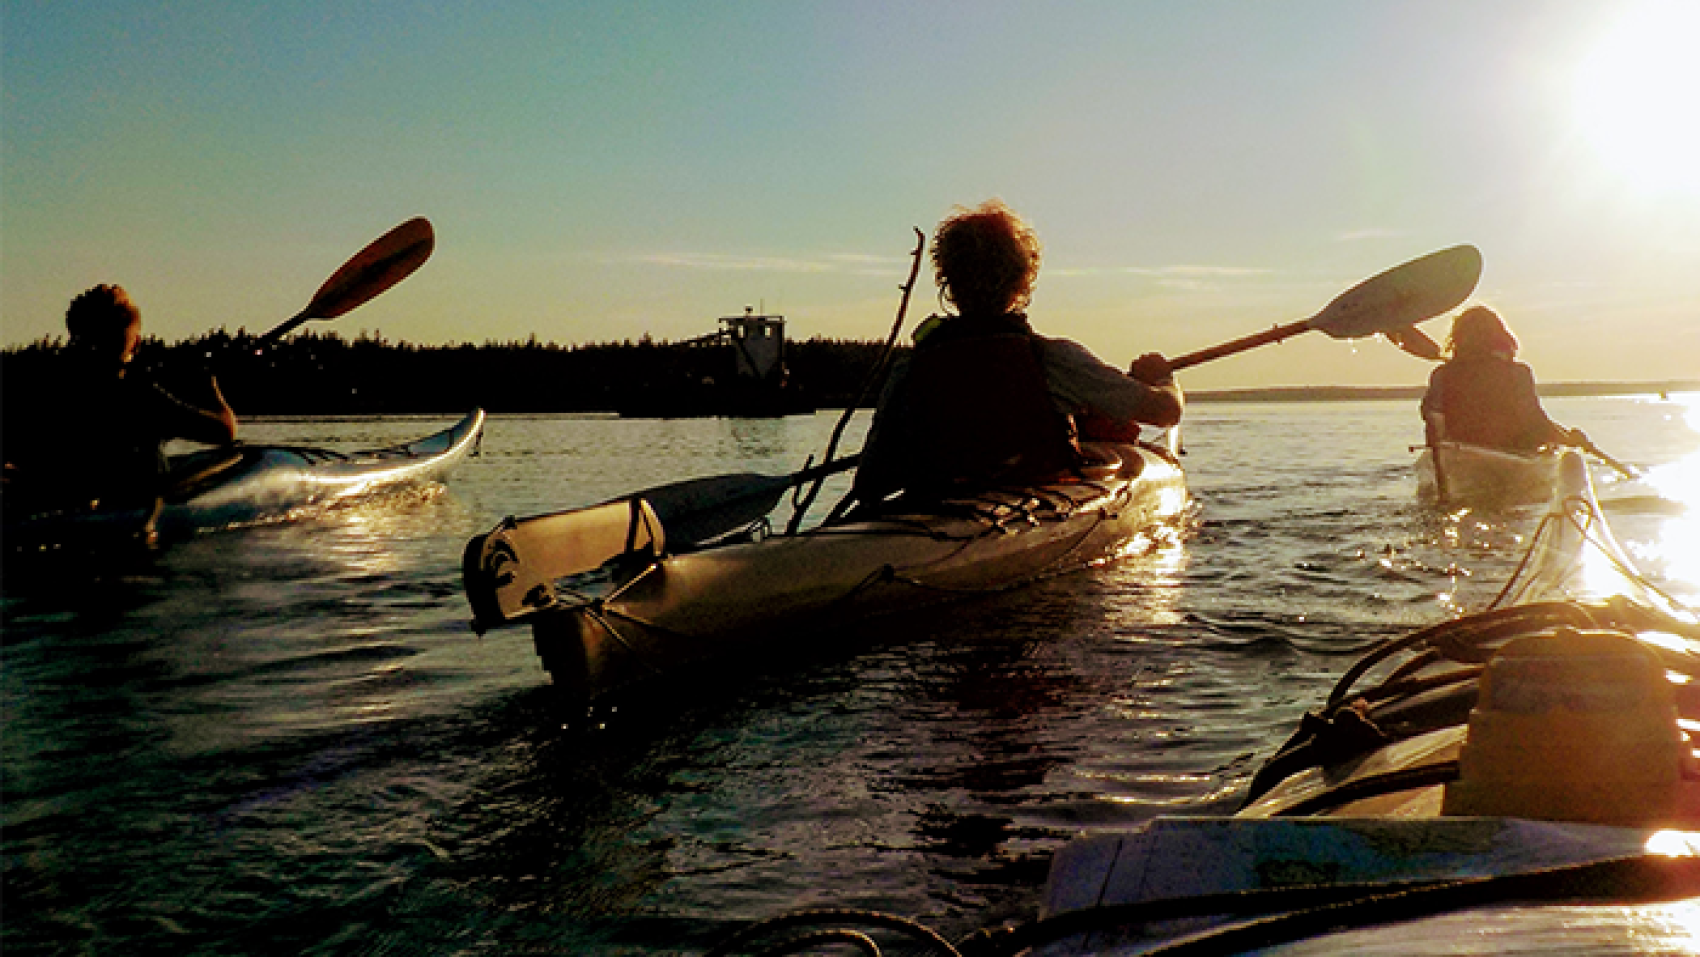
(1478, 331)
(986, 259)
(100, 314)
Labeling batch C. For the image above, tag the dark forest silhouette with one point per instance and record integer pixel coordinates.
(320, 374)
(317, 373)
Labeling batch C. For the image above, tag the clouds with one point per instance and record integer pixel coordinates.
(595, 170)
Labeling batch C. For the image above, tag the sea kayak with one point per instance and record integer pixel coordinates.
(1521, 780)
(250, 484)
(648, 613)
(1458, 474)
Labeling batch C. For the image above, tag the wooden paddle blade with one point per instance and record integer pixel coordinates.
(388, 260)
(510, 572)
(1416, 342)
(1404, 295)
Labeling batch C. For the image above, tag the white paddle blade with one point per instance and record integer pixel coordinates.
(511, 572)
(1404, 295)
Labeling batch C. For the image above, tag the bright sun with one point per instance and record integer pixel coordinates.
(1638, 96)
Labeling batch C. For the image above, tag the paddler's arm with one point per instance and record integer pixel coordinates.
(1147, 393)
(1434, 428)
(1434, 420)
(214, 424)
(1165, 403)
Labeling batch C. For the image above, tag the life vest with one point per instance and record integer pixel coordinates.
(979, 411)
(1489, 402)
(100, 440)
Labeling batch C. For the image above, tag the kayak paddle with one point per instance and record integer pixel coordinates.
(388, 260)
(1581, 441)
(1387, 303)
(510, 571)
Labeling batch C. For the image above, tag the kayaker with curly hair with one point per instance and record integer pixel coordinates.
(101, 441)
(1481, 395)
(983, 399)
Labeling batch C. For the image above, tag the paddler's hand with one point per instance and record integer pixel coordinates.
(221, 412)
(1152, 369)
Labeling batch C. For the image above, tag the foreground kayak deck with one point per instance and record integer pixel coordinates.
(652, 616)
(1328, 886)
(250, 484)
(1534, 762)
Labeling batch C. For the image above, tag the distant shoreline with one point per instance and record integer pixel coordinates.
(1414, 393)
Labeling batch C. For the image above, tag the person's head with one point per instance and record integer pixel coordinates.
(103, 321)
(986, 259)
(1478, 331)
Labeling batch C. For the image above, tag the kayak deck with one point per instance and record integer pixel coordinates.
(272, 481)
(1457, 474)
(1542, 750)
(248, 484)
(643, 616)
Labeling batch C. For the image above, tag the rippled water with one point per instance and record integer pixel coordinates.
(285, 739)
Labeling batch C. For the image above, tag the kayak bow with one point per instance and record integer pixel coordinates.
(250, 484)
(1539, 752)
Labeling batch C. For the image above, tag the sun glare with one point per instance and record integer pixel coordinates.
(1638, 95)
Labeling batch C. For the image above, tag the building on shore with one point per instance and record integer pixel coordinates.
(737, 371)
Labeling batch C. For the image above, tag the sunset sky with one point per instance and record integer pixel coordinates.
(597, 171)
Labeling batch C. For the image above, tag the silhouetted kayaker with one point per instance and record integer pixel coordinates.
(99, 441)
(1481, 395)
(983, 399)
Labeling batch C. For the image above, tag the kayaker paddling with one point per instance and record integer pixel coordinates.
(100, 443)
(94, 456)
(1481, 395)
(984, 400)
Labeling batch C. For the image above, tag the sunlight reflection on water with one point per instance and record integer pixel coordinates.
(313, 689)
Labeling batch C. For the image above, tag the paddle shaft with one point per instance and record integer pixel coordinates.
(1587, 445)
(1242, 344)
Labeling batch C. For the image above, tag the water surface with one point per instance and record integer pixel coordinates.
(285, 739)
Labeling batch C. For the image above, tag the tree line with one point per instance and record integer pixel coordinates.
(322, 373)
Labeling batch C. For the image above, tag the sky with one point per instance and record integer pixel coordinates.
(1198, 171)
